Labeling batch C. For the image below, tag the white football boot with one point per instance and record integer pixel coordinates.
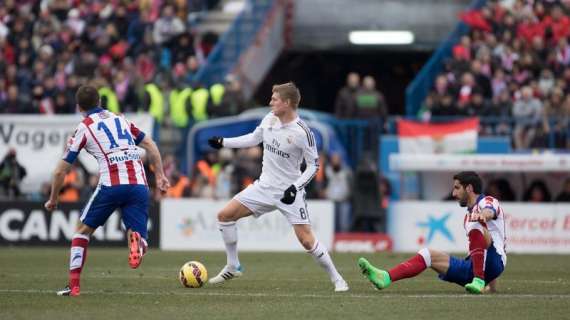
(340, 285)
(227, 273)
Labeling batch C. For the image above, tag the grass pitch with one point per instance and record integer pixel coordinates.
(274, 286)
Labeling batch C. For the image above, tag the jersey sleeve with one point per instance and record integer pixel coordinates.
(138, 134)
(245, 141)
(75, 144)
(489, 203)
(309, 148)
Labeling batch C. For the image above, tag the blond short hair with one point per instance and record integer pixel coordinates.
(288, 91)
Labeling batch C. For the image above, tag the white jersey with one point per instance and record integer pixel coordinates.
(285, 146)
(112, 140)
(495, 226)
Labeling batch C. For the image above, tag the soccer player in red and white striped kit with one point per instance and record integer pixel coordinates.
(484, 225)
(113, 141)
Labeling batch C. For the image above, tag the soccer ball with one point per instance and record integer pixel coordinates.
(193, 274)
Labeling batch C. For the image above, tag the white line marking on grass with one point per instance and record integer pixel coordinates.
(191, 292)
(127, 275)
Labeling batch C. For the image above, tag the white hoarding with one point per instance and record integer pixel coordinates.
(191, 224)
(40, 140)
(531, 228)
(480, 162)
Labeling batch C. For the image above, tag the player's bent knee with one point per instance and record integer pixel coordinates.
(225, 216)
(84, 229)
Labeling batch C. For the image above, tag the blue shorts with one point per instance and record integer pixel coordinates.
(461, 270)
(132, 199)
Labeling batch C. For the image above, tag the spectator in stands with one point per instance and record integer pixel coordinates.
(248, 166)
(527, 112)
(345, 103)
(14, 103)
(73, 184)
(462, 51)
(478, 105)
(555, 118)
(53, 46)
(445, 107)
(370, 103)
(167, 26)
(501, 189)
(537, 192)
(466, 90)
(442, 87)
(339, 190)
(525, 46)
(482, 79)
(11, 175)
(233, 100)
(500, 111)
(204, 176)
(564, 195)
(225, 180)
(180, 185)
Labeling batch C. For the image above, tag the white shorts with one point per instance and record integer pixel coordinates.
(261, 200)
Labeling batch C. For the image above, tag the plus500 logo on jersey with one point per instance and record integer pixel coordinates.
(122, 156)
(26, 223)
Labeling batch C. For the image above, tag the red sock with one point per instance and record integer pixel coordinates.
(477, 247)
(77, 257)
(407, 269)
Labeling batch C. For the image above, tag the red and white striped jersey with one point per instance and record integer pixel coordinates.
(113, 141)
(495, 226)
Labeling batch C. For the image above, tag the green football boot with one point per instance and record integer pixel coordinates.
(379, 278)
(475, 287)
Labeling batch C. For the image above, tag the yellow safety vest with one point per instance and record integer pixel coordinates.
(112, 103)
(199, 104)
(217, 92)
(156, 108)
(178, 113)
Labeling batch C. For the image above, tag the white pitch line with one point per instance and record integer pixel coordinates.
(283, 295)
(102, 275)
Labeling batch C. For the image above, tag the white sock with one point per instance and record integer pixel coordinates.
(322, 257)
(426, 255)
(229, 234)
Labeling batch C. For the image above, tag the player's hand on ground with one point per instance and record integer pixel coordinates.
(289, 195)
(162, 183)
(216, 142)
(50, 205)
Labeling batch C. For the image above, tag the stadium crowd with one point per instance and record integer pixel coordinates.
(514, 67)
(130, 50)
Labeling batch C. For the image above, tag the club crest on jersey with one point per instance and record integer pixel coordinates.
(103, 115)
(289, 139)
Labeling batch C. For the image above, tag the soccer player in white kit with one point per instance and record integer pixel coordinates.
(484, 225)
(287, 141)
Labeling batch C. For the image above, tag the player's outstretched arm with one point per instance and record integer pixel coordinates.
(61, 170)
(484, 216)
(245, 141)
(156, 160)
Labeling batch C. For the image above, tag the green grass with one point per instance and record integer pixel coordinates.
(274, 286)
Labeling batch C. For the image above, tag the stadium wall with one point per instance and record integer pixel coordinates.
(191, 224)
(26, 223)
(40, 142)
(530, 228)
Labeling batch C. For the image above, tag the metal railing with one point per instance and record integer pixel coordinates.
(235, 40)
